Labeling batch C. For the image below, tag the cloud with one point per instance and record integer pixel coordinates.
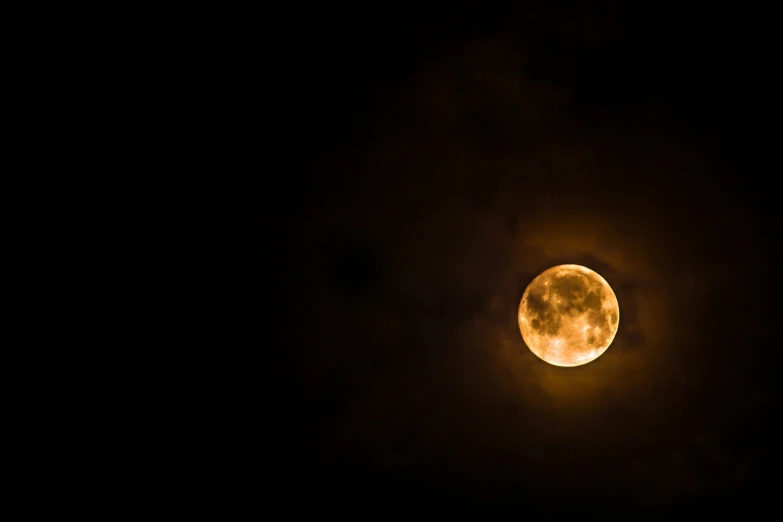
(411, 263)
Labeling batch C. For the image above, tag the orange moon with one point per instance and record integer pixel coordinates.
(568, 315)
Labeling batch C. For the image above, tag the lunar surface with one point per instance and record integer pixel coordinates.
(568, 315)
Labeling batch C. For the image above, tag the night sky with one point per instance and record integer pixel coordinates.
(420, 166)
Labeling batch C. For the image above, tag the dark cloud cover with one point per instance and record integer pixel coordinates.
(425, 171)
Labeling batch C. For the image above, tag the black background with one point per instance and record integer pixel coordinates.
(420, 165)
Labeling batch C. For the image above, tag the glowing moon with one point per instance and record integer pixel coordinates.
(568, 315)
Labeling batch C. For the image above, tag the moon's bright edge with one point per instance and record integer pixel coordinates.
(568, 315)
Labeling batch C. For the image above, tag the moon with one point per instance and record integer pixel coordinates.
(568, 315)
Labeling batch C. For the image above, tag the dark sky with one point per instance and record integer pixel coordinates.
(421, 166)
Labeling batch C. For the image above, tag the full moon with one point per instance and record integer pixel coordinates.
(568, 315)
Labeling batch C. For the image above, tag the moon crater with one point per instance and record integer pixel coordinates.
(568, 315)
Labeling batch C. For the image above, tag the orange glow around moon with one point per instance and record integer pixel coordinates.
(568, 315)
